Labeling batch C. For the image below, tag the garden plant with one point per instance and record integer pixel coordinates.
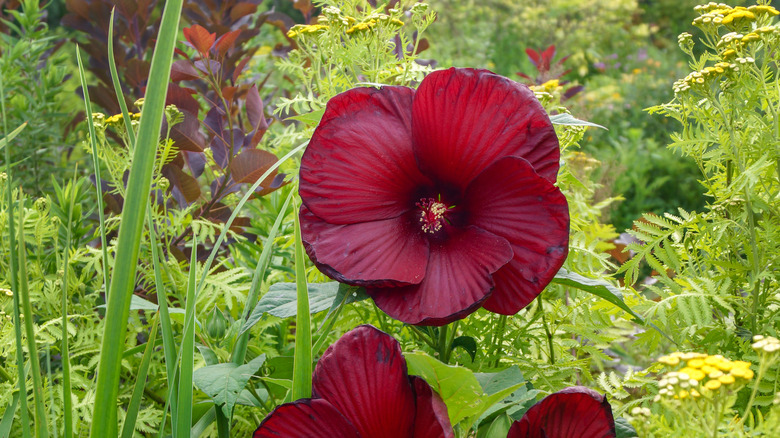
(356, 218)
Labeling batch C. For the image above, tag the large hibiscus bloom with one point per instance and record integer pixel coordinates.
(439, 200)
(575, 412)
(361, 389)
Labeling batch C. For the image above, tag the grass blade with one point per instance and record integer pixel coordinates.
(184, 416)
(8, 418)
(128, 428)
(12, 134)
(13, 264)
(302, 363)
(131, 228)
(244, 199)
(120, 96)
(95, 169)
(41, 426)
(169, 344)
(239, 348)
(67, 403)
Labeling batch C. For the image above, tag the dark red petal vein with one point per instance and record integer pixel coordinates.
(359, 164)
(305, 418)
(380, 253)
(572, 413)
(463, 120)
(456, 282)
(431, 420)
(364, 376)
(510, 200)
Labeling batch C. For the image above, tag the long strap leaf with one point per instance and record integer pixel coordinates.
(131, 228)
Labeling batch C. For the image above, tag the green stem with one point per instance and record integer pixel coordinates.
(550, 345)
(441, 344)
(498, 338)
(302, 362)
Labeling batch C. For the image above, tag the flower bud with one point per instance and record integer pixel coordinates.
(216, 324)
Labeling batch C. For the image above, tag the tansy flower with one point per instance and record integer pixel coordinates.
(361, 389)
(439, 200)
(574, 412)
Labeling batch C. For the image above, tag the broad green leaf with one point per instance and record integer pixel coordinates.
(624, 429)
(603, 290)
(467, 343)
(225, 382)
(499, 428)
(600, 288)
(457, 386)
(281, 300)
(312, 119)
(570, 120)
(498, 387)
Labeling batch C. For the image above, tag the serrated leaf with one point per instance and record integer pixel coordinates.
(225, 382)
(312, 119)
(457, 386)
(570, 120)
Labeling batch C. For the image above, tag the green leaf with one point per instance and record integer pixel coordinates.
(499, 428)
(312, 119)
(123, 276)
(281, 300)
(499, 386)
(302, 356)
(603, 290)
(225, 382)
(457, 386)
(467, 343)
(570, 120)
(600, 288)
(624, 429)
(4, 141)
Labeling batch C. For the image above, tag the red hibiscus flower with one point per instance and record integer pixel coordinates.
(575, 412)
(361, 390)
(439, 200)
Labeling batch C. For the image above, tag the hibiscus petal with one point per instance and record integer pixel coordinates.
(571, 413)
(380, 253)
(359, 164)
(431, 420)
(510, 200)
(311, 418)
(463, 120)
(364, 376)
(457, 280)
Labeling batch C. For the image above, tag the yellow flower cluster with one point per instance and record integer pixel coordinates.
(697, 371)
(300, 29)
(716, 14)
(699, 78)
(117, 118)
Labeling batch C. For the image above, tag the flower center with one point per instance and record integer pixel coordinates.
(431, 214)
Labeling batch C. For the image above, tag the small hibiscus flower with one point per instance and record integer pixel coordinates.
(439, 200)
(575, 412)
(361, 389)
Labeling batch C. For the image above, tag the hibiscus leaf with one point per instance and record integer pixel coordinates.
(503, 390)
(624, 429)
(225, 382)
(570, 120)
(605, 290)
(600, 288)
(457, 386)
(467, 343)
(281, 300)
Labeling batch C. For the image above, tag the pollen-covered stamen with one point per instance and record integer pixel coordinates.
(431, 214)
